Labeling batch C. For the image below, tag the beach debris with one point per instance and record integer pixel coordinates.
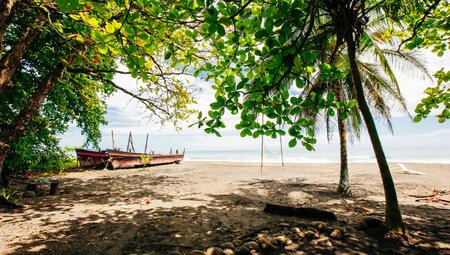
(303, 212)
(436, 196)
(408, 171)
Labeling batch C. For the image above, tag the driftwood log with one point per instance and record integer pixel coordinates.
(303, 212)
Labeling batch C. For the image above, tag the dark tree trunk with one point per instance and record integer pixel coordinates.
(393, 215)
(11, 60)
(16, 128)
(5, 11)
(344, 180)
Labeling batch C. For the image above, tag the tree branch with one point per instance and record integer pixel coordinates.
(11, 60)
(420, 22)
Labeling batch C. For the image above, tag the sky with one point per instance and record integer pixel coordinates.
(425, 140)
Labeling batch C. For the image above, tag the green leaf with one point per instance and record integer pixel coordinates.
(220, 30)
(330, 112)
(68, 5)
(293, 143)
(261, 35)
(212, 29)
(418, 118)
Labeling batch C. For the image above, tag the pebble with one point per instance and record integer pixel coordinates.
(296, 230)
(294, 237)
(252, 245)
(237, 242)
(227, 245)
(228, 252)
(292, 247)
(242, 250)
(319, 225)
(196, 252)
(266, 241)
(311, 235)
(325, 242)
(371, 222)
(214, 251)
(336, 234)
(282, 239)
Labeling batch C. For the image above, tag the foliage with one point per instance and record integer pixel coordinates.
(264, 57)
(9, 195)
(428, 27)
(90, 40)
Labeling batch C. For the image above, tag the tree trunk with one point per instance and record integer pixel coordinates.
(344, 180)
(393, 215)
(16, 128)
(5, 10)
(11, 60)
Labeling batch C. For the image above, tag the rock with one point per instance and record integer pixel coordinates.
(214, 251)
(295, 230)
(252, 245)
(282, 239)
(228, 252)
(227, 245)
(371, 222)
(29, 193)
(294, 237)
(319, 225)
(196, 252)
(175, 253)
(312, 229)
(242, 250)
(336, 234)
(301, 235)
(254, 252)
(292, 247)
(267, 242)
(237, 242)
(311, 235)
(325, 242)
(299, 253)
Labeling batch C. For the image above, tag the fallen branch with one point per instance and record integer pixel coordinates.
(302, 212)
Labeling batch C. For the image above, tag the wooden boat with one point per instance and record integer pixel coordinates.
(91, 158)
(115, 159)
(122, 159)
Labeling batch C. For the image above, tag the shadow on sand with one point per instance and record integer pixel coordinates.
(153, 230)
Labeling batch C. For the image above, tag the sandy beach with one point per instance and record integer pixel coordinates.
(195, 205)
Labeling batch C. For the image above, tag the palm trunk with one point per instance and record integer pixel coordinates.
(344, 180)
(16, 129)
(393, 215)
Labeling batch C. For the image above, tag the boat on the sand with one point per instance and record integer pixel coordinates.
(92, 158)
(122, 159)
(116, 159)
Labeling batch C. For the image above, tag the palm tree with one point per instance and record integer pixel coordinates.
(380, 85)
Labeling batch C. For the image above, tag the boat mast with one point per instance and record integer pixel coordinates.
(113, 142)
(146, 141)
(130, 146)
